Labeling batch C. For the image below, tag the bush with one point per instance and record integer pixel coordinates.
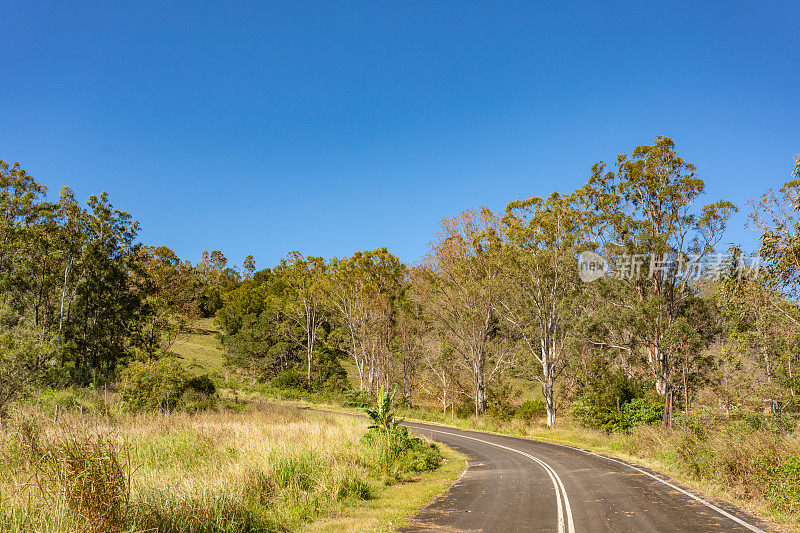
(289, 379)
(498, 402)
(202, 384)
(336, 383)
(164, 384)
(356, 398)
(154, 385)
(641, 411)
(531, 409)
(616, 403)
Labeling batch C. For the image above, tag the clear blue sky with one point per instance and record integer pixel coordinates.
(330, 127)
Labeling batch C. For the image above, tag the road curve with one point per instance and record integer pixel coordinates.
(517, 484)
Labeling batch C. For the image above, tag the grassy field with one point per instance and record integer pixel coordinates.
(199, 347)
(267, 469)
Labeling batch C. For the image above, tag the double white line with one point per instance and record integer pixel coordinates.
(564, 508)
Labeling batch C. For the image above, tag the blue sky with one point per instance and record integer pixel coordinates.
(331, 127)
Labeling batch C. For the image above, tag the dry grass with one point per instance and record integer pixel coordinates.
(271, 469)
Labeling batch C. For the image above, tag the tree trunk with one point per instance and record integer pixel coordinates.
(480, 393)
(667, 418)
(547, 389)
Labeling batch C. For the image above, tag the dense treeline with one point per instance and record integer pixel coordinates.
(80, 297)
(659, 313)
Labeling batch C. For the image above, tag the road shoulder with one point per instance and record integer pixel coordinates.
(396, 504)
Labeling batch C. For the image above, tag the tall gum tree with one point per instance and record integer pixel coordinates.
(540, 282)
(304, 276)
(360, 289)
(648, 211)
(456, 285)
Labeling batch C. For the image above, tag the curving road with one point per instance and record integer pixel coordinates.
(517, 484)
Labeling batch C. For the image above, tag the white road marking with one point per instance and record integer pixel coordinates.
(557, 484)
(667, 483)
(696, 498)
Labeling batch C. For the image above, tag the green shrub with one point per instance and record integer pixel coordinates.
(641, 411)
(154, 385)
(290, 379)
(531, 409)
(336, 383)
(616, 402)
(498, 401)
(202, 384)
(356, 398)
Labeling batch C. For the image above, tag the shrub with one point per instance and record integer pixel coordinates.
(336, 383)
(202, 384)
(356, 398)
(616, 403)
(498, 402)
(641, 411)
(531, 409)
(289, 379)
(154, 385)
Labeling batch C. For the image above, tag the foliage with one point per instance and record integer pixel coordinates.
(530, 409)
(382, 415)
(647, 208)
(291, 378)
(618, 405)
(154, 385)
(164, 384)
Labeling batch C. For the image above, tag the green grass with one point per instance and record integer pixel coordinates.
(199, 348)
(392, 507)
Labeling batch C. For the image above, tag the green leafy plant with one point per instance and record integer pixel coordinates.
(382, 415)
(386, 425)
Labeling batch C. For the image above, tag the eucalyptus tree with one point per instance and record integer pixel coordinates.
(102, 317)
(164, 284)
(658, 238)
(457, 287)
(777, 216)
(540, 283)
(304, 305)
(360, 291)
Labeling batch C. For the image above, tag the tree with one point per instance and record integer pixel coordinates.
(457, 287)
(540, 283)
(249, 266)
(776, 216)
(304, 277)
(101, 317)
(164, 285)
(361, 290)
(760, 331)
(647, 211)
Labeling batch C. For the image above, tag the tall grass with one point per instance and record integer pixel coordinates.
(263, 470)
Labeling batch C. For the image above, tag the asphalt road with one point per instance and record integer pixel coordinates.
(516, 484)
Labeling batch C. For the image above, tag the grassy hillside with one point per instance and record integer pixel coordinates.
(200, 348)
